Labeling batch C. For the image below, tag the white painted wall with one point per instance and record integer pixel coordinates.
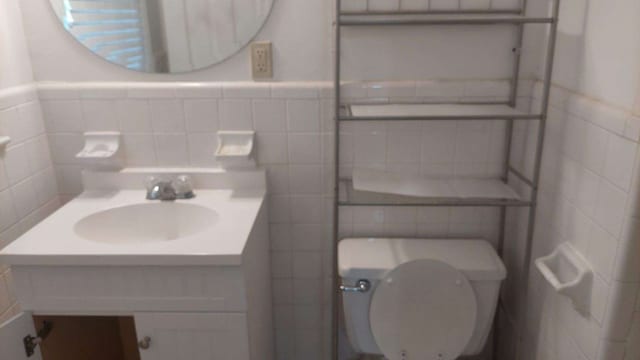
(598, 52)
(300, 31)
(201, 33)
(15, 66)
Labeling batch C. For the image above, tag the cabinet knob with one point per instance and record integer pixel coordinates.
(145, 343)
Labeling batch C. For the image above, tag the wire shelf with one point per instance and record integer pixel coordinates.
(352, 197)
(419, 112)
(391, 19)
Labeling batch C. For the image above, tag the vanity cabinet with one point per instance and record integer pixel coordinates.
(186, 312)
(188, 279)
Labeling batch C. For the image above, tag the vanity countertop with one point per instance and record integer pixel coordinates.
(58, 241)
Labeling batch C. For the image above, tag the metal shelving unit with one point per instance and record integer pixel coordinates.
(345, 196)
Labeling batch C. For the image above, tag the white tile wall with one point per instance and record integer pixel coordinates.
(28, 189)
(585, 192)
(586, 198)
(175, 125)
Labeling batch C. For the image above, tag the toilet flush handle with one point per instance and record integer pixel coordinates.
(361, 287)
(145, 343)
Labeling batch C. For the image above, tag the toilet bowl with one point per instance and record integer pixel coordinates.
(419, 298)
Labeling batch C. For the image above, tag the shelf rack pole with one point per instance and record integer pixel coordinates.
(335, 282)
(548, 77)
(513, 99)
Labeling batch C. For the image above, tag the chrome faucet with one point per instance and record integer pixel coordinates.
(169, 190)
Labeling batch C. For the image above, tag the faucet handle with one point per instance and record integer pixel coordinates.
(184, 187)
(150, 182)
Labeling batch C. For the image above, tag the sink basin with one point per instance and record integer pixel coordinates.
(143, 223)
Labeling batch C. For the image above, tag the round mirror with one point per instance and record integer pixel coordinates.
(163, 36)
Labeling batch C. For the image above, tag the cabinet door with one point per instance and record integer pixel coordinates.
(193, 336)
(12, 334)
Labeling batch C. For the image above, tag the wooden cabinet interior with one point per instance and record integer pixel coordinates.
(89, 338)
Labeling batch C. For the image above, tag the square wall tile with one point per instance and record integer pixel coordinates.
(444, 4)
(167, 116)
(236, 115)
(171, 149)
(384, 5)
(271, 148)
(305, 149)
(24, 198)
(201, 115)
(305, 179)
(403, 146)
(139, 149)
(278, 179)
(307, 237)
(202, 147)
(16, 162)
(303, 115)
(414, 5)
(610, 207)
(32, 120)
(63, 115)
(269, 115)
(100, 115)
(134, 116)
(307, 210)
(307, 265)
(8, 210)
(620, 157)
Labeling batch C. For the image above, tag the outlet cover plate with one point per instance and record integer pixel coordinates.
(261, 60)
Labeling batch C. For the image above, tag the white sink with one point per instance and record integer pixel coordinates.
(161, 221)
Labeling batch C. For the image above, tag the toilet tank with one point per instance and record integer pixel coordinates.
(373, 258)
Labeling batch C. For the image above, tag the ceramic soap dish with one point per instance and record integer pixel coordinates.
(236, 149)
(101, 150)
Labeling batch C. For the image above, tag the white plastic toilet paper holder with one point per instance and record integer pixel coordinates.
(566, 270)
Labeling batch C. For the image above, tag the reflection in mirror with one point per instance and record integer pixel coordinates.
(163, 36)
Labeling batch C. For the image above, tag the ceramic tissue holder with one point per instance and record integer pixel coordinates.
(102, 150)
(236, 149)
(568, 273)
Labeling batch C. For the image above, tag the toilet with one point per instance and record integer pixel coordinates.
(427, 299)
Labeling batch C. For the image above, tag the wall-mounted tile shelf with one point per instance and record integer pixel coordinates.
(568, 273)
(461, 111)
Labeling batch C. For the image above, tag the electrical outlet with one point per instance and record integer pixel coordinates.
(261, 60)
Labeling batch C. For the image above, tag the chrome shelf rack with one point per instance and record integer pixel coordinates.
(516, 18)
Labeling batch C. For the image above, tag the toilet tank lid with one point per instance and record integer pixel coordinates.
(372, 258)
